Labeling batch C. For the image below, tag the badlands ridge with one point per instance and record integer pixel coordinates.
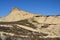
(24, 24)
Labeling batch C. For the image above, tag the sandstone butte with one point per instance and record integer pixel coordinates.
(27, 25)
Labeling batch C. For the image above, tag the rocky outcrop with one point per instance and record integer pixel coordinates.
(16, 15)
(20, 25)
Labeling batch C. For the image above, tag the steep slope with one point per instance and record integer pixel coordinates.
(52, 29)
(16, 15)
(26, 26)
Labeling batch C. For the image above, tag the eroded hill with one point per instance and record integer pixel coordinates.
(20, 25)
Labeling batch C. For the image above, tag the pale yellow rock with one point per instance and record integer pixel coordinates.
(40, 19)
(52, 29)
(56, 20)
(49, 20)
(17, 15)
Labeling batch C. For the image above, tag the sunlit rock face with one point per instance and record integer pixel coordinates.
(21, 25)
(16, 15)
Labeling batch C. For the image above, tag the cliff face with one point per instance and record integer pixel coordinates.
(20, 25)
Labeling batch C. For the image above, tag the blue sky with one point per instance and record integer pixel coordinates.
(44, 7)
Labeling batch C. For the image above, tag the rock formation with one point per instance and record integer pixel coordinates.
(20, 25)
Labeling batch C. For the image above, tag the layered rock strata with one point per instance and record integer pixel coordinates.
(20, 25)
